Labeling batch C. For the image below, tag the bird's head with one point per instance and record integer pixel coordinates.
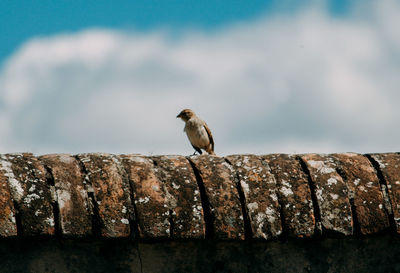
(185, 114)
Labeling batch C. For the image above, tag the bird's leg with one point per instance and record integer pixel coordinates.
(196, 150)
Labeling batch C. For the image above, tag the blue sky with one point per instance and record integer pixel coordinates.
(267, 76)
(21, 20)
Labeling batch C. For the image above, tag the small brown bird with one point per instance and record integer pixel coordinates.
(197, 131)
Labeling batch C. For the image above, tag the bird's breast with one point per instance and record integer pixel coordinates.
(197, 134)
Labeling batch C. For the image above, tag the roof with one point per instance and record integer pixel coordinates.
(235, 197)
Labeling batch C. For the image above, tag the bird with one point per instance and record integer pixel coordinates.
(197, 131)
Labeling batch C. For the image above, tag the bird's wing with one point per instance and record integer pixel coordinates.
(209, 136)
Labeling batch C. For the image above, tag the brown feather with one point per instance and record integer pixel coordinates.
(209, 136)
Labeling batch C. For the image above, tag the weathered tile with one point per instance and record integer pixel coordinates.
(221, 189)
(8, 225)
(261, 200)
(30, 192)
(167, 198)
(183, 196)
(331, 193)
(363, 186)
(293, 193)
(152, 216)
(110, 192)
(389, 165)
(70, 194)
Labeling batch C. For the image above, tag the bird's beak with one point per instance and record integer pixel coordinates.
(178, 116)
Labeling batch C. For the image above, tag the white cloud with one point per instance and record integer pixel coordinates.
(302, 83)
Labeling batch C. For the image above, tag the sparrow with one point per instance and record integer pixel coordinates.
(197, 131)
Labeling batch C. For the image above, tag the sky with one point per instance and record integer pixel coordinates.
(267, 76)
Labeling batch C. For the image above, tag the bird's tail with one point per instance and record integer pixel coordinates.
(210, 151)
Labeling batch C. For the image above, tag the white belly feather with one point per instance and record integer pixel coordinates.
(197, 134)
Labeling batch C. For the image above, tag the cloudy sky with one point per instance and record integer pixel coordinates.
(267, 76)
